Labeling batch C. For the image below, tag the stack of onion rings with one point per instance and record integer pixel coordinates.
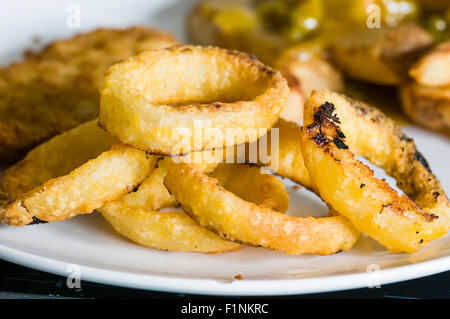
(231, 216)
(135, 215)
(64, 185)
(145, 99)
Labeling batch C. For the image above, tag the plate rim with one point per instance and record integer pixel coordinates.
(219, 287)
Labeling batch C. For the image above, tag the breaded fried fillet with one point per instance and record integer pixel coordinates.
(56, 89)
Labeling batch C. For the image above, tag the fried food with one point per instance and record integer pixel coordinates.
(293, 111)
(245, 26)
(381, 56)
(399, 222)
(427, 106)
(310, 69)
(129, 215)
(208, 201)
(303, 77)
(188, 101)
(188, 98)
(56, 89)
(290, 157)
(57, 157)
(433, 69)
(53, 183)
(265, 28)
(135, 217)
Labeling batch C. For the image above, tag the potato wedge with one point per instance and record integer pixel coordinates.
(433, 69)
(381, 56)
(427, 106)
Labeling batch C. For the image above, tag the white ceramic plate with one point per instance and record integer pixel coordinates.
(103, 256)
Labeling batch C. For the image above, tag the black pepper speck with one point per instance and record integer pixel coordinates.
(339, 143)
(36, 221)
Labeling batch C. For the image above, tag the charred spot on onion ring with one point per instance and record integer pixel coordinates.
(399, 222)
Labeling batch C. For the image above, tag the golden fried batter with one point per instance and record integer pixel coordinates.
(402, 223)
(57, 89)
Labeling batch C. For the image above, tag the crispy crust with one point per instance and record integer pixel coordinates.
(57, 189)
(401, 223)
(432, 68)
(265, 191)
(141, 109)
(427, 106)
(135, 217)
(172, 231)
(56, 89)
(381, 56)
(57, 157)
(232, 217)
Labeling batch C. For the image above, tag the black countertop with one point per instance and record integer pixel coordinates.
(21, 282)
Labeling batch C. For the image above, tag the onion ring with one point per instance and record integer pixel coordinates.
(397, 222)
(232, 217)
(135, 217)
(33, 190)
(291, 164)
(248, 183)
(293, 111)
(162, 99)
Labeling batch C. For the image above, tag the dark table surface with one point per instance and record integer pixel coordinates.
(21, 282)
